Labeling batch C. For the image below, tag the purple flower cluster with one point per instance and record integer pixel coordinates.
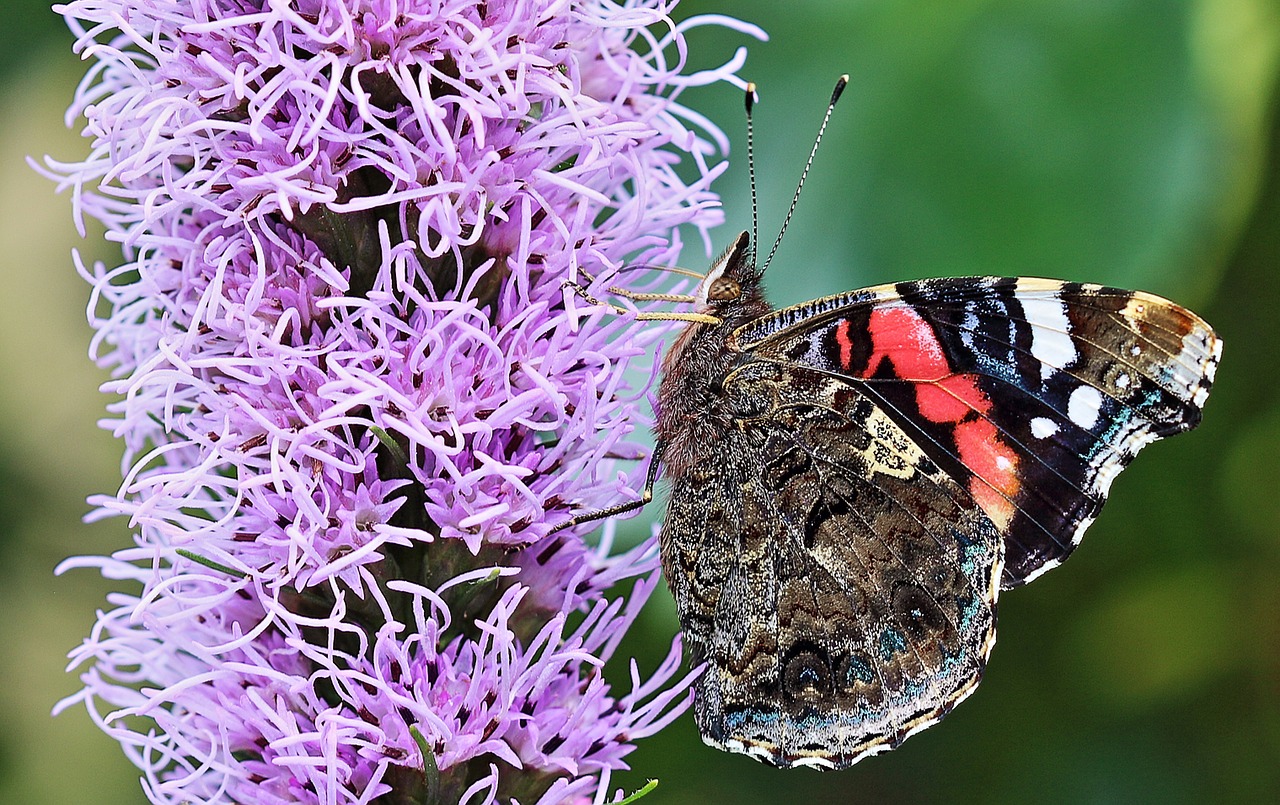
(355, 394)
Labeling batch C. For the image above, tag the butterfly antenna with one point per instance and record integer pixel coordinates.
(751, 168)
(835, 96)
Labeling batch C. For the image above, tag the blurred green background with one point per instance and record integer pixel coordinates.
(1128, 142)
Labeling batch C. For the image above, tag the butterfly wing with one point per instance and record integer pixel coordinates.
(841, 586)
(1031, 394)
(884, 462)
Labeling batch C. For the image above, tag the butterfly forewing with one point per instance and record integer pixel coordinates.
(1030, 394)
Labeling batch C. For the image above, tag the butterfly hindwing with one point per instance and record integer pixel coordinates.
(841, 586)
(1031, 394)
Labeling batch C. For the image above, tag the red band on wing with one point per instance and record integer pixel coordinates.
(951, 399)
(994, 466)
(900, 336)
(845, 344)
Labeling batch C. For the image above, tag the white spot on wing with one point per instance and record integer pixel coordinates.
(1215, 354)
(1051, 342)
(1083, 406)
(1043, 428)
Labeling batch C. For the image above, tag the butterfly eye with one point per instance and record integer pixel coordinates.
(723, 289)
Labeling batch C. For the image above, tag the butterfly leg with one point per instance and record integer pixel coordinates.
(622, 508)
(636, 296)
(627, 293)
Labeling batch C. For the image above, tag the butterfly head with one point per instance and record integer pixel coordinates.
(732, 279)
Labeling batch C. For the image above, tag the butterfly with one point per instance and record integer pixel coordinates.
(854, 481)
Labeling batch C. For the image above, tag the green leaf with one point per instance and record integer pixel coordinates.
(649, 786)
(430, 770)
(209, 563)
(389, 442)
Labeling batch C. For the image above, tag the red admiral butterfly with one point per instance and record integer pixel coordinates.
(854, 480)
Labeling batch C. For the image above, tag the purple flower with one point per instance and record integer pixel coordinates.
(355, 395)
